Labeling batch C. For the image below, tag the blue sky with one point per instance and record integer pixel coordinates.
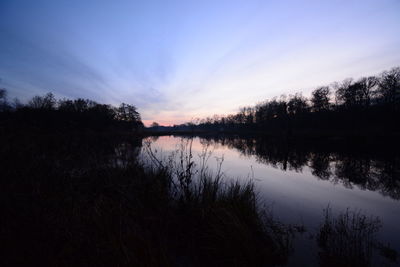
(177, 60)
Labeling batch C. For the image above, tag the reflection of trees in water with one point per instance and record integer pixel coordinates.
(336, 163)
(373, 174)
(320, 165)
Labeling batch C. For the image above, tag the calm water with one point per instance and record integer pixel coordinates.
(298, 181)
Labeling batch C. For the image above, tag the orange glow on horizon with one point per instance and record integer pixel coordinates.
(165, 122)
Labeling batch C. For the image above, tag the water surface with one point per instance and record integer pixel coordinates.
(298, 180)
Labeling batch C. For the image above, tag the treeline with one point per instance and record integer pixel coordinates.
(46, 112)
(367, 104)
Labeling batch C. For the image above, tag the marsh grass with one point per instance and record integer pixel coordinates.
(86, 200)
(232, 229)
(347, 239)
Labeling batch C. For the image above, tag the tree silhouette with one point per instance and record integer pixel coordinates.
(320, 99)
(368, 86)
(389, 87)
(297, 104)
(4, 105)
(127, 113)
(46, 112)
(43, 102)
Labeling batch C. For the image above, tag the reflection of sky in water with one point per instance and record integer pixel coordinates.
(297, 197)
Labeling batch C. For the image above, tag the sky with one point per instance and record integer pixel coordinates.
(180, 60)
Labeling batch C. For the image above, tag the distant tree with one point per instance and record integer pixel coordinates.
(47, 101)
(277, 109)
(4, 105)
(297, 104)
(154, 124)
(3, 93)
(320, 99)
(240, 117)
(368, 86)
(127, 113)
(352, 94)
(246, 115)
(260, 112)
(343, 95)
(389, 87)
(36, 102)
(106, 112)
(80, 105)
(17, 104)
(66, 105)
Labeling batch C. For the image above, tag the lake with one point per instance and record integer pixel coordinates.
(297, 180)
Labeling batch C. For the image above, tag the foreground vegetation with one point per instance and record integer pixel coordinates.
(85, 200)
(347, 240)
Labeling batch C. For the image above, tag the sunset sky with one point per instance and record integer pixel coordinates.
(177, 60)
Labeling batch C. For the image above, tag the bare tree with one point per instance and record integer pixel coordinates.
(297, 104)
(47, 101)
(320, 99)
(128, 113)
(389, 86)
(368, 86)
(4, 106)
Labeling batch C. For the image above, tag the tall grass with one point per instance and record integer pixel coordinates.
(348, 239)
(231, 228)
(88, 201)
